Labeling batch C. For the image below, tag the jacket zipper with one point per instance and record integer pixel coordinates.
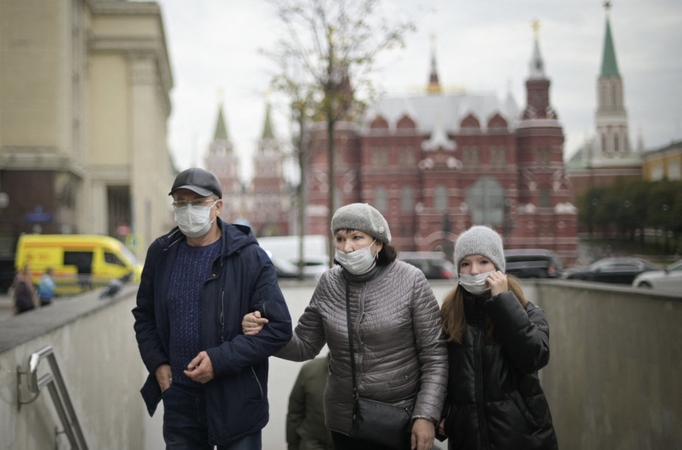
(478, 378)
(253, 371)
(222, 316)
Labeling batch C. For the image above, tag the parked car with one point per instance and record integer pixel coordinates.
(533, 263)
(433, 264)
(669, 280)
(621, 270)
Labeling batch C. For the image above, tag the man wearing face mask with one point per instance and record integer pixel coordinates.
(497, 341)
(399, 352)
(197, 282)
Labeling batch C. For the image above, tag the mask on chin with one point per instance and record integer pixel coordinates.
(358, 262)
(475, 284)
(194, 221)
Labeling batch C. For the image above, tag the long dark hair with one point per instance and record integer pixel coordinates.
(386, 255)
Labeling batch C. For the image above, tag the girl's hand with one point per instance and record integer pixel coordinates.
(497, 282)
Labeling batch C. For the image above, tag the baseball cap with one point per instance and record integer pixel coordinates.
(197, 180)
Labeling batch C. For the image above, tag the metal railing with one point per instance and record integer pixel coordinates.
(60, 396)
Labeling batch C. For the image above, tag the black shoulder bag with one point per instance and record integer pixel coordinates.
(373, 421)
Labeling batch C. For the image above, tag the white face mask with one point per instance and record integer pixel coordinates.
(194, 221)
(475, 283)
(358, 262)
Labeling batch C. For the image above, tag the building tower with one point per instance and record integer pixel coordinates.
(223, 162)
(611, 118)
(434, 86)
(544, 208)
(269, 200)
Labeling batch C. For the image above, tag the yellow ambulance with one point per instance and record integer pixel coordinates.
(80, 262)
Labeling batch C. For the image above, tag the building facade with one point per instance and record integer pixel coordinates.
(84, 103)
(437, 163)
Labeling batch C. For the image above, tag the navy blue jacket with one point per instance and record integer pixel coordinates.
(243, 279)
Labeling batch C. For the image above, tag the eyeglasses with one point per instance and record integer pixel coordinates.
(197, 202)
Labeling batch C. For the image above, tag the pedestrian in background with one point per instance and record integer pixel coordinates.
(46, 287)
(197, 283)
(305, 416)
(497, 341)
(23, 291)
(399, 350)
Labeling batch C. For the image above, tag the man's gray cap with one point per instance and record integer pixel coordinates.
(480, 240)
(198, 180)
(362, 217)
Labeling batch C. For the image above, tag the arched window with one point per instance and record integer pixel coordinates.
(440, 197)
(485, 199)
(380, 198)
(545, 197)
(407, 199)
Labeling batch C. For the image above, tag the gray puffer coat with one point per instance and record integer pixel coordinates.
(400, 352)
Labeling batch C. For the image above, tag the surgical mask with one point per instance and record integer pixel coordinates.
(358, 262)
(475, 284)
(194, 221)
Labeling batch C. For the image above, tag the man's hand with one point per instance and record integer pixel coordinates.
(252, 323)
(423, 433)
(200, 369)
(163, 376)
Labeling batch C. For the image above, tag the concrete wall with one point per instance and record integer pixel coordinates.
(98, 357)
(614, 380)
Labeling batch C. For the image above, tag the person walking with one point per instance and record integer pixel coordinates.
(46, 287)
(305, 414)
(197, 283)
(23, 291)
(396, 351)
(497, 341)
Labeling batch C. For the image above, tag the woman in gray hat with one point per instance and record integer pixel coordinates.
(398, 345)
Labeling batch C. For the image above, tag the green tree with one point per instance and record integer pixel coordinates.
(333, 45)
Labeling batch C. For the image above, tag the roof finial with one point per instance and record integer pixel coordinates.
(607, 6)
(434, 86)
(536, 28)
(220, 93)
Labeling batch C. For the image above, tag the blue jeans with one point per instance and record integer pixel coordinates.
(184, 423)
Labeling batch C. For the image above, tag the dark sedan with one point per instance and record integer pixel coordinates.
(620, 270)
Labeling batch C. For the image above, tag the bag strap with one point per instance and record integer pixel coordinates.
(350, 341)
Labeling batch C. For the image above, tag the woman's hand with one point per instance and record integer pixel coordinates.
(423, 433)
(252, 323)
(497, 282)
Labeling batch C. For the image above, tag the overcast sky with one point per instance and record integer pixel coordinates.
(480, 46)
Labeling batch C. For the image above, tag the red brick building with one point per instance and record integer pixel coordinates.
(437, 163)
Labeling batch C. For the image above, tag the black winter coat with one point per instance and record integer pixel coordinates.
(494, 400)
(243, 280)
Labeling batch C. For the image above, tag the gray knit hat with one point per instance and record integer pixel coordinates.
(480, 240)
(362, 217)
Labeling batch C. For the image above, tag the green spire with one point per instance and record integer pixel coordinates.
(220, 128)
(267, 127)
(609, 66)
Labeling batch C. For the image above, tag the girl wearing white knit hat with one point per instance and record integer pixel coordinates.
(497, 341)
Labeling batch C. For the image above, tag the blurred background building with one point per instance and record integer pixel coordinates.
(84, 102)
